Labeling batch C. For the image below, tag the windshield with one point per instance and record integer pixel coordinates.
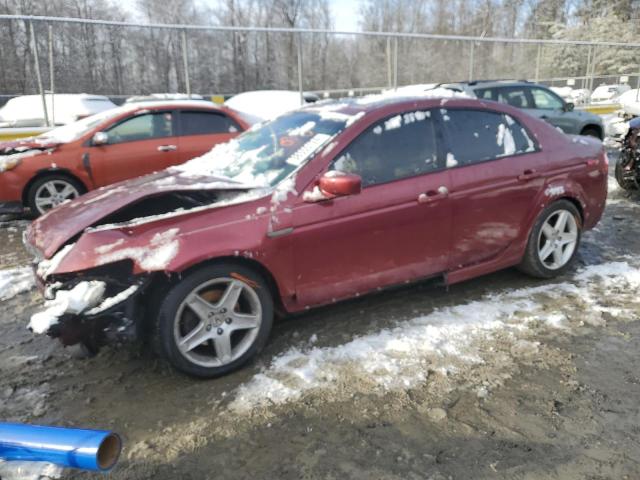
(73, 131)
(269, 152)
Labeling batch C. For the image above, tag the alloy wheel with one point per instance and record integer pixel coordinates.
(217, 322)
(558, 239)
(52, 193)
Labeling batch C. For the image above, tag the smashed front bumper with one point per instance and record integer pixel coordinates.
(90, 310)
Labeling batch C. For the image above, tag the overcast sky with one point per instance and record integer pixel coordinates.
(345, 12)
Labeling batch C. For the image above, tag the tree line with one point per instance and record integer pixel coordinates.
(126, 61)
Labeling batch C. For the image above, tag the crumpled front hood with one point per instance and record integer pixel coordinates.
(55, 228)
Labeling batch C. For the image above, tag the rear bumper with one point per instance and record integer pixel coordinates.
(11, 207)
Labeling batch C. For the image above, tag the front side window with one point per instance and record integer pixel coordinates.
(476, 136)
(142, 127)
(206, 123)
(397, 147)
(546, 100)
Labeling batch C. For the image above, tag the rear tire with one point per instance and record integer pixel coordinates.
(552, 244)
(50, 191)
(215, 320)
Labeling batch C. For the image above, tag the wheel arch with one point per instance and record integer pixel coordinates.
(592, 126)
(162, 283)
(576, 203)
(49, 171)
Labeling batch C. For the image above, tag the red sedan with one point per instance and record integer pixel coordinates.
(126, 142)
(322, 204)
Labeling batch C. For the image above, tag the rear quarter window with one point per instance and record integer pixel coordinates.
(475, 136)
(206, 123)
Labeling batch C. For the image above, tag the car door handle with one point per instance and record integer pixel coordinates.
(167, 148)
(544, 117)
(433, 195)
(528, 175)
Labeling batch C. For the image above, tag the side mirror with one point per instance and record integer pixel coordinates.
(100, 138)
(569, 106)
(335, 184)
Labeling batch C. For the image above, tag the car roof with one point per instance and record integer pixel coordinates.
(372, 103)
(476, 84)
(159, 104)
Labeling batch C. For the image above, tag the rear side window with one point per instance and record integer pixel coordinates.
(206, 123)
(476, 136)
(397, 147)
(515, 96)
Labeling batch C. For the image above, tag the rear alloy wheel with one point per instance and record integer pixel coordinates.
(51, 191)
(554, 240)
(215, 320)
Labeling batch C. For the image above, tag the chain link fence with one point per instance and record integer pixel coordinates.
(121, 59)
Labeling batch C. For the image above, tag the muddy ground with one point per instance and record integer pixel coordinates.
(539, 403)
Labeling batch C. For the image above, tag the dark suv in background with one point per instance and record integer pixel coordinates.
(536, 100)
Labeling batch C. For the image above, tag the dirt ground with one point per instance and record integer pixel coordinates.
(537, 403)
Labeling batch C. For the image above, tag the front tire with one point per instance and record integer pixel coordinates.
(52, 190)
(215, 320)
(553, 241)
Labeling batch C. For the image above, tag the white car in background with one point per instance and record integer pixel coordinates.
(630, 102)
(608, 93)
(24, 116)
(27, 110)
(261, 105)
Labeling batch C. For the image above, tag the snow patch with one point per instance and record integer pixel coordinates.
(400, 357)
(554, 191)
(14, 281)
(451, 160)
(162, 248)
(81, 297)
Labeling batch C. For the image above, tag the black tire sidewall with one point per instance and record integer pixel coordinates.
(531, 263)
(31, 195)
(620, 178)
(169, 307)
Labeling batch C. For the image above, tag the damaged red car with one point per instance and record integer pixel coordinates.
(319, 205)
(42, 172)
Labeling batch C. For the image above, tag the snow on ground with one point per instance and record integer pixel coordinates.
(14, 281)
(29, 471)
(401, 357)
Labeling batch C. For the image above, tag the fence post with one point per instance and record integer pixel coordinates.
(395, 63)
(34, 46)
(593, 68)
(389, 77)
(299, 55)
(185, 63)
(538, 62)
(52, 81)
(471, 60)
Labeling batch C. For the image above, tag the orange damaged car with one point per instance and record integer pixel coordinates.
(42, 172)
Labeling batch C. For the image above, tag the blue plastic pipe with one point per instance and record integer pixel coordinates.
(66, 447)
